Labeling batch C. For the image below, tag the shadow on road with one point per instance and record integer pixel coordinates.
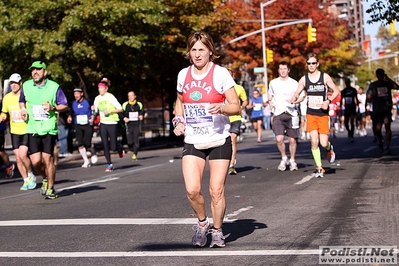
(241, 228)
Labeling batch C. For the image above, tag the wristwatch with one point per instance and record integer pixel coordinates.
(53, 108)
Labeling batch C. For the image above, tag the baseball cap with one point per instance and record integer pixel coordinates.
(77, 90)
(15, 77)
(38, 64)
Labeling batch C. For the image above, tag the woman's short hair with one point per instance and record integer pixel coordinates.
(206, 39)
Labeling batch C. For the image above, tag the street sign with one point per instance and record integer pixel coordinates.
(259, 69)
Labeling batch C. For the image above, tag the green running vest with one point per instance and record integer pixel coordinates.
(37, 122)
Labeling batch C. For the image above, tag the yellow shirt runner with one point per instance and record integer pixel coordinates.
(11, 107)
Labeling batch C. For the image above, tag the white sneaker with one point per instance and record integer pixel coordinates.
(94, 159)
(293, 166)
(86, 165)
(283, 165)
(331, 154)
(201, 230)
(319, 172)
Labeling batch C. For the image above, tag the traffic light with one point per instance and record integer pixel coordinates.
(392, 29)
(311, 34)
(269, 55)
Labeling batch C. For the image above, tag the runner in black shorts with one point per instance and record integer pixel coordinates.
(40, 101)
(379, 94)
(219, 153)
(350, 101)
(82, 118)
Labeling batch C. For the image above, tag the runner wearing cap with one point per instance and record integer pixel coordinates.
(19, 138)
(40, 101)
(82, 118)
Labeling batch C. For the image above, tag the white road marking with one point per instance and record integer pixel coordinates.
(305, 179)
(86, 183)
(191, 253)
(235, 213)
(369, 149)
(104, 221)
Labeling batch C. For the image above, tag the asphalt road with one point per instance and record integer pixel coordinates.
(139, 214)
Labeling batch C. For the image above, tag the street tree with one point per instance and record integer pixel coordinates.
(383, 11)
(288, 43)
(139, 45)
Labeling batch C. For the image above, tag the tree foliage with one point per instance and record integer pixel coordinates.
(139, 45)
(289, 43)
(383, 11)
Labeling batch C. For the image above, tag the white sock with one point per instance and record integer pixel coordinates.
(83, 154)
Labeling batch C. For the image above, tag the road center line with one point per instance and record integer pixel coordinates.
(305, 179)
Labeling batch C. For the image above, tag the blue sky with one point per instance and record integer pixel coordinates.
(370, 29)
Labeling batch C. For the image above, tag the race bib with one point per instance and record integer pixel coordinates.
(81, 119)
(16, 116)
(315, 101)
(348, 100)
(133, 116)
(258, 107)
(382, 91)
(39, 113)
(198, 117)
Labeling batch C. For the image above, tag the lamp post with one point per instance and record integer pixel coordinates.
(262, 14)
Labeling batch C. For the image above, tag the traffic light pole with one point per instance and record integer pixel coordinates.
(262, 15)
(263, 30)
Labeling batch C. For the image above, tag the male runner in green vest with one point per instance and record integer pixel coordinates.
(40, 101)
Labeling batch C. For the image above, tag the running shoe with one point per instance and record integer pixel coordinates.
(283, 165)
(217, 237)
(86, 165)
(44, 187)
(121, 152)
(319, 172)
(50, 194)
(387, 151)
(109, 168)
(31, 182)
(232, 170)
(134, 157)
(201, 229)
(10, 171)
(25, 185)
(331, 154)
(293, 166)
(94, 159)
